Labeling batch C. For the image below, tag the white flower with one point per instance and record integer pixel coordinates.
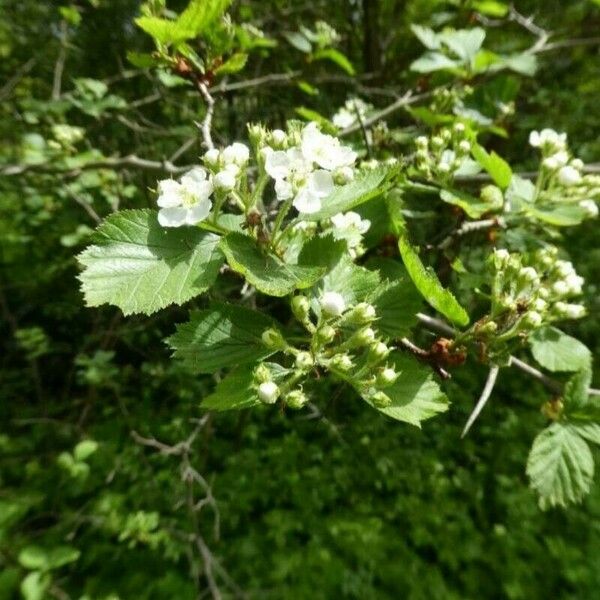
(533, 318)
(561, 158)
(225, 180)
(343, 118)
(529, 274)
(550, 163)
(547, 138)
(237, 153)
(570, 311)
(344, 175)
(590, 207)
(268, 392)
(464, 146)
(318, 186)
(333, 304)
(560, 288)
(186, 202)
(211, 157)
(574, 283)
(350, 227)
(564, 268)
(569, 176)
(325, 150)
(577, 163)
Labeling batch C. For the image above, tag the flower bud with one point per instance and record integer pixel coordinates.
(488, 328)
(568, 176)
(361, 314)
(211, 157)
(296, 399)
(262, 374)
(343, 362)
(528, 275)
(569, 311)
(387, 376)
(421, 142)
(304, 360)
(278, 137)
(363, 337)
(540, 305)
(459, 128)
(225, 180)
(300, 307)
(532, 319)
(437, 142)
(378, 351)
(560, 288)
(590, 207)
(237, 153)
(501, 258)
(464, 147)
(445, 135)
(493, 196)
(333, 304)
(381, 400)
(268, 392)
(271, 338)
(325, 334)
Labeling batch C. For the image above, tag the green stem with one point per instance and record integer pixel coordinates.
(285, 208)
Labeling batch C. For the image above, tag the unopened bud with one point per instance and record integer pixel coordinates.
(437, 142)
(296, 399)
(421, 142)
(532, 319)
(361, 314)
(262, 374)
(300, 307)
(343, 362)
(492, 195)
(271, 338)
(268, 392)
(464, 147)
(325, 334)
(211, 157)
(378, 351)
(333, 304)
(304, 360)
(381, 400)
(364, 337)
(387, 376)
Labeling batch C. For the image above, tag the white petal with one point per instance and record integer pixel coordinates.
(283, 189)
(321, 183)
(277, 164)
(172, 217)
(196, 175)
(199, 189)
(198, 212)
(307, 201)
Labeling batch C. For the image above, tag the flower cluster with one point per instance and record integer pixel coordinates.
(307, 169)
(562, 175)
(227, 165)
(440, 156)
(528, 293)
(343, 340)
(353, 112)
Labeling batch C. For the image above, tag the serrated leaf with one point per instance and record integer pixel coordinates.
(233, 64)
(142, 267)
(225, 335)
(491, 8)
(346, 197)
(429, 285)
(265, 271)
(163, 31)
(589, 432)
(353, 282)
(335, 56)
(560, 466)
(298, 41)
(557, 351)
(415, 395)
(200, 16)
(142, 60)
(465, 43)
(47, 559)
(397, 304)
(322, 251)
(237, 390)
(497, 168)
(576, 392)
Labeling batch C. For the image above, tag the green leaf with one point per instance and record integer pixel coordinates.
(397, 304)
(200, 16)
(233, 64)
(142, 267)
(473, 207)
(465, 43)
(557, 351)
(415, 395)
(346, 197)
(491, 8)
(85, 449)
(524, 63)
(353, 282)
(298, 41)
(34, 585)
(162, 30)
(308, 114)
(429, 285)
(141, 60)
(322, 251)
(427, 37)
(433, 61)
(43, 559)
(336, 57)
(265, 271)
(236, 391)
(576, 394)
(589, 431)
(560, 466)
(498, 169)
(560, 215)
(224, 335)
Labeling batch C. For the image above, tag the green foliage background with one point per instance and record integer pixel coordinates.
(347, 504)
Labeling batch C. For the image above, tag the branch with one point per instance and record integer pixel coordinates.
(469, 227)
(553, 385)
(59, 67)
(207, 122)
(117, 162)
(485, 395)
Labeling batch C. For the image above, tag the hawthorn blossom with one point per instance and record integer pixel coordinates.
(547, 138)
(325, 150)
(569, 175)
(333, 303)
(185, 202)
(237, 153)
(350, 227)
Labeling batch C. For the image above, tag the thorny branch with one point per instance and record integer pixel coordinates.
(485, 395)
(207, 122)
